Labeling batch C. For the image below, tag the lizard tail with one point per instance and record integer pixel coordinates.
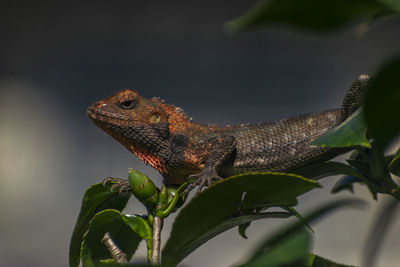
(355, 96)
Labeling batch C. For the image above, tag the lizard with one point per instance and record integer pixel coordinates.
(164, 137)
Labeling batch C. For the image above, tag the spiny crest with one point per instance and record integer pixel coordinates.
(176, 116)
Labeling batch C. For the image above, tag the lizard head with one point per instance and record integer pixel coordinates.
(134, 121)
(140, 124)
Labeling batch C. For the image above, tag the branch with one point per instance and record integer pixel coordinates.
(157, 226)
(116, 253)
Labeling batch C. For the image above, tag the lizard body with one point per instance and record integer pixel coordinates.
(163, 136)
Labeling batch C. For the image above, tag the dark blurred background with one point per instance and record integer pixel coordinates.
(57, 58)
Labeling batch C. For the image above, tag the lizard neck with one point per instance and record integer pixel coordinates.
(152, 158)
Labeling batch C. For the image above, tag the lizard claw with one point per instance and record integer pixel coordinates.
(118, 184)
(202, 180)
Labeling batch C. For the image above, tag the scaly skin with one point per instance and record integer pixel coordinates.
(165, 137)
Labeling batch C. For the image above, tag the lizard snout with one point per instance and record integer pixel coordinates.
(95, 108)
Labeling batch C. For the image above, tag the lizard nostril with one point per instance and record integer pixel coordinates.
(101, 104)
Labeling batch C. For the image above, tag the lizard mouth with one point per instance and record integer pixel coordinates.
(104, 118)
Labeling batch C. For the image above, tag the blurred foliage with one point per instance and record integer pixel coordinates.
(382, 103)
(378, 231)
(321, 16)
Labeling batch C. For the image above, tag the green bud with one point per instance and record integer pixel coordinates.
(143, 188)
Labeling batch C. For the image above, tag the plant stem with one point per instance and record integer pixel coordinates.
(174, 201)
(157, 226)
(116, 253)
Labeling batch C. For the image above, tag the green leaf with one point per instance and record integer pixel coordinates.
(359, 164)
(242, 229)
(121, 231)
(139, 225)
(96, 198)
(266, 205)
(322, 169)
(318, 261)
(299, 217)
(394, 165)
(346, 183)
(219, 208)
(382, 104)
(379, 230)
(328, 168)
(310, 14)
(350, 133)
(269, 204)
(291, 250)
(379, 175)
(270, 248)
(142, 228)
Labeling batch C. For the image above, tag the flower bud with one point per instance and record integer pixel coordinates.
(143, 188)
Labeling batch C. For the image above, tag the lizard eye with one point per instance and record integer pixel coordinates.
(128, 104)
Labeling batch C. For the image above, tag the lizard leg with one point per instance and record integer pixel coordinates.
(118, 183)
(223, 149)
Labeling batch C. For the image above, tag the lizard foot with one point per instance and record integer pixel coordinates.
(202, 180)
(120, 184)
